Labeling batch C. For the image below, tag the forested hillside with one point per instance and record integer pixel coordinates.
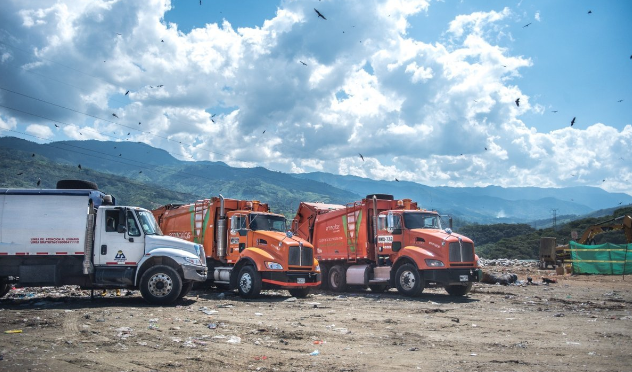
(520, 241)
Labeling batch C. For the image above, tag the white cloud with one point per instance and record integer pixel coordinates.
(418, 111)
(39, 131)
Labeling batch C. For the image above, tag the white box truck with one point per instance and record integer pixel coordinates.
(76, 235)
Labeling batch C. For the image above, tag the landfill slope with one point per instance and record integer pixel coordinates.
(578, 323)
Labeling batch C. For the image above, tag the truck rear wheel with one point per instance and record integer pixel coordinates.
(299, 292)
(249, 282)
(408, 280)
(4, 289)
(458, 290)
(160, 285)
(337, 278)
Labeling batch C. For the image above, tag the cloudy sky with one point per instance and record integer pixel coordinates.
(425, 90)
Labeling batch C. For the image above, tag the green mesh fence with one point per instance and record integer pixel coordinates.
(613, 259)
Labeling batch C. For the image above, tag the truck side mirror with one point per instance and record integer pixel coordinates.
(121, 228)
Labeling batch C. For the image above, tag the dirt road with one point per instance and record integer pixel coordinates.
(580, 323)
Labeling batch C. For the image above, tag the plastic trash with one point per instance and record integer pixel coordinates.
(314, 353)
(13, 331)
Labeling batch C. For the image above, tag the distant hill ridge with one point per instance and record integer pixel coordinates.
(143, 164)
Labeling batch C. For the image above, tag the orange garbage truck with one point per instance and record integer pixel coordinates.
(381, 243)
(246, 246)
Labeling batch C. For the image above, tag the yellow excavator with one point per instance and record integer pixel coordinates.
(624, 223)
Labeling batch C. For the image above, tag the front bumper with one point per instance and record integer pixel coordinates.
(197, 273)
(452, 276)
(285, 279)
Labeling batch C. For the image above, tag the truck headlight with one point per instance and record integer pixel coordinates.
(434, 263)
(193, 261)
(274, 266)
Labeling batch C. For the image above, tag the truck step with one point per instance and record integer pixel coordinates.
(378, 281)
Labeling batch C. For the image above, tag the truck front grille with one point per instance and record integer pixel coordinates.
(300, 256)
(461, 252)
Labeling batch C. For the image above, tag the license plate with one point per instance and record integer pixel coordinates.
(463, 278)
(300, 280)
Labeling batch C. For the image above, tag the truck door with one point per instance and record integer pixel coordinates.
(119, 240)
(238, 235)
(390, 233)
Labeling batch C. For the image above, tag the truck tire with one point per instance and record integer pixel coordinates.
(186, 288)
(77, 184)
(409, 281)
(160, 285)
(324, 275)
(4, 289)
(458, 290)
(299, 292)
(337, 278)
(249, 282)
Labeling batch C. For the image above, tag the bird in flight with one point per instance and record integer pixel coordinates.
(620, 100)
(79, 166)
(21, 173)
(396, 180)
(126, 93)
(485, 148)
(527, 25)
(162, 41)
(319, 14)
(590, 12)
(361, 157)
(573, 121)
(139, 123)
(304, 64)
(554, 111)
(160, 86)
(39, 181)
(213, 115)
(116, 116)
(518, 102)
(33, 155)
(56, 126)
(140, 172)
(264, 132)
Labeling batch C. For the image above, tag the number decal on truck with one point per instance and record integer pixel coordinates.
(385, 238)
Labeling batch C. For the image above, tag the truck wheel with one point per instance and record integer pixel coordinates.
(408, 280)
(249, 282)
(337, 278)
(299, 292)
(160, 285)
(186, 288)
(378, 288)
(324, 277)
(458, 290)
(4, 289)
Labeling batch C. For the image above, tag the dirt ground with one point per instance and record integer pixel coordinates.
(580, 323)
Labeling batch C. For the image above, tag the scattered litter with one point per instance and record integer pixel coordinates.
(212, 326)
(548, 280)
(572, 343)
(234, 340)
(496, 278)
(153, 326)
(13, 331)
(455, 320)
(291, 299)
(225, 306)
(559, 315)
(314, 353)
(124, 332)
(413, 349)
(473, 354)
(258, 314)
(284, 342)
(261, 357)
(319, 342)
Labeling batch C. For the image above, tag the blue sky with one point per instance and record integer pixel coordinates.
(425, 90)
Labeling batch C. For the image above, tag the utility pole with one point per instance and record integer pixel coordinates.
(554, 211)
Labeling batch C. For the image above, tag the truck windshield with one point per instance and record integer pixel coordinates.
(417, 220)
(148, 222)
(260, 221)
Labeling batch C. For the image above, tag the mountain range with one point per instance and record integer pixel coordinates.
(129, 167)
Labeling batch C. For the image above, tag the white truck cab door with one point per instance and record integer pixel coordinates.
(119, 239)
